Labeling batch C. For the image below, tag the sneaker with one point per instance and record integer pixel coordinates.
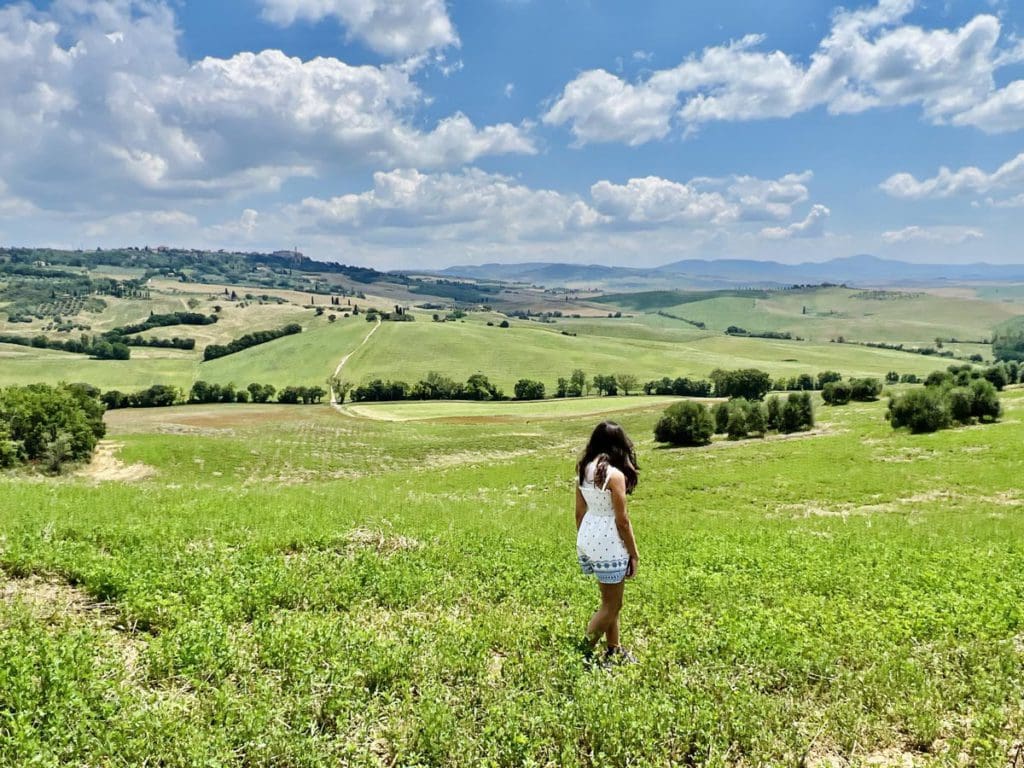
(617, 655)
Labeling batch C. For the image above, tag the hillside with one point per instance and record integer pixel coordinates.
(861, 270)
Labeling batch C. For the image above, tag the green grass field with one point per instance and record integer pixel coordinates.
(407, 351)
(915, 319)
(292, 586)
(643, 343)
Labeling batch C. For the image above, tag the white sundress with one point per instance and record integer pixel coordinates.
(599, 547)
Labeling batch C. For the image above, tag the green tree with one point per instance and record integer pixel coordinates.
(748, 383)
(627, 381)
(577, 383)
(920, 410)
(720, 412)
(985, 405)
(686, 423)
(479, 387)
(865, 390)
(526, 389)
(837, 393)
(826, 377)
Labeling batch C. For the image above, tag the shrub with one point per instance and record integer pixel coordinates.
(685, 423)
(985, 404)
(865, 390)
(797, 413)
(961, 405)
(721, 416)
(921, 410)
(998, 375)
(774, 413)
(748, 383)
(526, 389)
(736, 426)
(825, 377)
(837, 393)
(47, 422)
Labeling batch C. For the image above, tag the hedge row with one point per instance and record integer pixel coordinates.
(213, 351)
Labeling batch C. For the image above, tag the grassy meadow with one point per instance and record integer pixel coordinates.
(294, 586)
(641, 342)
(821, 314)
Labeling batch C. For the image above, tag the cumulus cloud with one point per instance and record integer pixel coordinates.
(475, 205)
(869, 59)
(141, 223)
(390, 27)
(941, 235)
(466, 205)
(969, 180)
(654, 200)
(98, 105)
(812, 226)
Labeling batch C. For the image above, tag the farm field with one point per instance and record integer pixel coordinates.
(642, 342)
(290, 585)
(912, 318)
(408, 351)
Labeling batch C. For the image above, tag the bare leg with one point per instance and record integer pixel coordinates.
(606, 620)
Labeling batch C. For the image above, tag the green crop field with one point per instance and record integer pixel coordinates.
(821, 314)
(293, 586)
(408, 351)
(644, 343)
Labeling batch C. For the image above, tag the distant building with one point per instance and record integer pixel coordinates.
(288, 254)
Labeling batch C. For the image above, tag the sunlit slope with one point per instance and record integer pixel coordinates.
(823, 314)
(307, 358)
(407, 351)
(26, 365)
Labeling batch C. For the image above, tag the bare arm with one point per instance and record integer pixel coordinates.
(581, 507)
(617, 485)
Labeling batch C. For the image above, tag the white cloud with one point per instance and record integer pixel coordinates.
(1001, 112)
(98, 108)
(969, 180)
(391, 27)
(476, 206)
(468, 205)
(140, 224)
(867, 60)
(812, 226)
(941, 235)
(603, 107)
(510, 88)
(654, 200)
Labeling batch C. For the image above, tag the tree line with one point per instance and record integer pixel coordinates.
(434, 386)
(94, 346)
(691, 423)
(943, 403)
(201, 392)
(213, 351)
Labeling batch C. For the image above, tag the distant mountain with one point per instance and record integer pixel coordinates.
(862, 269)
(543, 273)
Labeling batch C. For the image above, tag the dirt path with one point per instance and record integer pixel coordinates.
(334, 397)
(106, 466)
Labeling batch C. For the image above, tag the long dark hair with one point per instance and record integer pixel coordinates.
(609, 445)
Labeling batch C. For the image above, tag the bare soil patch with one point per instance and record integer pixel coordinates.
(106, 467)
(218, 417)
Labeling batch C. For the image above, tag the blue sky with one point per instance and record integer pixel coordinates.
(423, 133)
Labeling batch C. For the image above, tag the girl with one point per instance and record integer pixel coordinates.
(605, 546)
